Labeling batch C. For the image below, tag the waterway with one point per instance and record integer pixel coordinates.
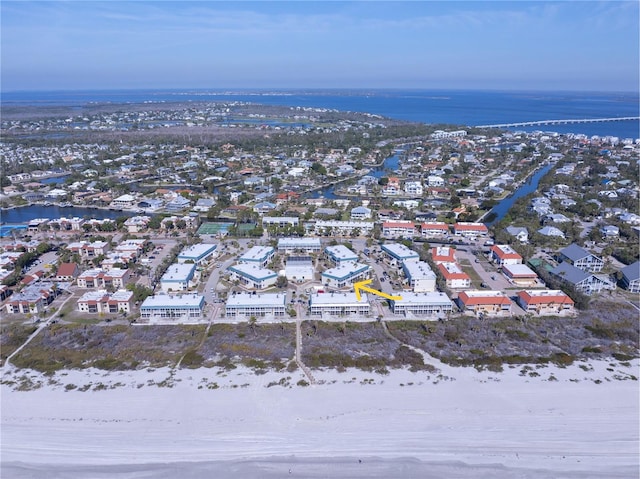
(24, 214)
(503, 207)
(390, 164)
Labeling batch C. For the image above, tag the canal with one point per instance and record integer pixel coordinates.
(502, 208)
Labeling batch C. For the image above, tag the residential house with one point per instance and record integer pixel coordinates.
(551, 231)
(67, 272)
(581, 258)
(360, 213)
(610, 231)
(413, 188)
(520, 233)
(581, 280)
(631, 277)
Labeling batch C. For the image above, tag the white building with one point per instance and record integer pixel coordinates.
(422, 305)
(343, 228)
(124, 201)
(280, 221)
(413, 188)
(260, 255)
(434, 228)
(420, 276)
(360, 213)
(398, 253)
(291, 245)
(177, 277)
(253, 275)
(398, 229)
(338, 305)
(98, 278)
(299, 269)
(181, 307)
(245, 305)
(101, 301)
(435, 181)
(345, 274)
(340, 254)
(198, 253)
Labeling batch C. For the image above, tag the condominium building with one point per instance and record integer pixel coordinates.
(453, 275)
(98, 278)
(101, 301)
(432, 229)
(397, 253)
(253, 275)
(260, 255)
(398, 229)
(429, 305)
(340, 254)
(177, 277)
(197, 253)
(490, 303)
(470, 230)
(504, 254)
(178, 307)
(443, 254)
(343, 228)
(291, 245)
(330, 305)
(421, 277)
(280, 221)
(345, 274)
(545, 301)
(245, 305)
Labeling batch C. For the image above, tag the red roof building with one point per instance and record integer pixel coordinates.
(454, 276)
(545, 301)
(398, 229)
(470, 229)
(504, 254)
(443, 254)
(434, 228)
(67, 272)
(492, 303)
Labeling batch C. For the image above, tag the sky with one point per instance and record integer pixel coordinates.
(538, 45)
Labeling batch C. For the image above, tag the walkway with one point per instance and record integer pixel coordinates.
(43, 325)
(301, 365)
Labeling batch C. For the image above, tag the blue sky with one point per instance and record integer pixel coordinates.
(536, 45)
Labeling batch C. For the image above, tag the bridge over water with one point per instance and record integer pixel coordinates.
(560, 122)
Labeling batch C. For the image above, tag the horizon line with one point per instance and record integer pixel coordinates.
(315, 89)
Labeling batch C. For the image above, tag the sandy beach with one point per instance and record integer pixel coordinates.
(579, 421)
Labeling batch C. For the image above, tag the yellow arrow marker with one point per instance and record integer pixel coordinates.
(362, 285)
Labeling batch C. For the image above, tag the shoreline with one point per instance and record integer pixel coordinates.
(468, 425)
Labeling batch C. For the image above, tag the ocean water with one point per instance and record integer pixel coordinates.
(454, 107)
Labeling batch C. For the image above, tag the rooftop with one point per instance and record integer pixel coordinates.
(248, 299)
(399, 251)
(329, 299)
(256, 253)
(178, 300)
